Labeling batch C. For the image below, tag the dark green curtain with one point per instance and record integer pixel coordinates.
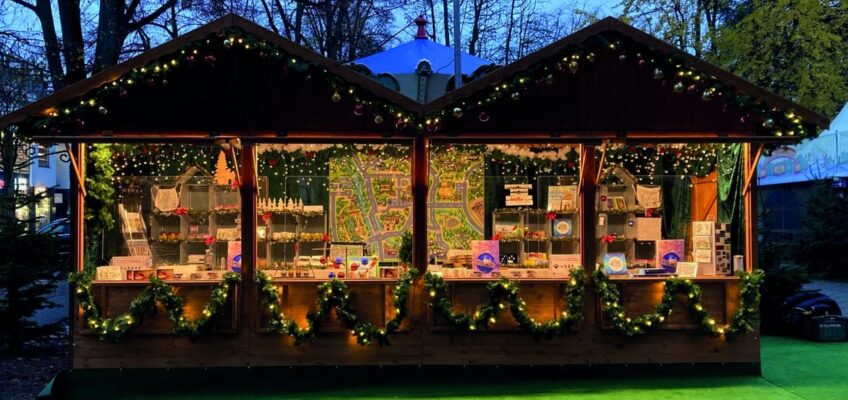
(730, 201)
(677, 207)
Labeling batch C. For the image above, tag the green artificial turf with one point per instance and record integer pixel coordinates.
(792, 369)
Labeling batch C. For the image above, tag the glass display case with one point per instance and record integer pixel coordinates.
(504, 211)
(333, 211)
(172, 212)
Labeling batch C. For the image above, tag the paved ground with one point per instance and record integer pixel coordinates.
(838, 291)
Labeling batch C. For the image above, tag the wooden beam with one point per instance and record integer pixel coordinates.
(420, 188)
(235, 160)
(601, 164)
(582, 171)
(752, 169)
(77, 169)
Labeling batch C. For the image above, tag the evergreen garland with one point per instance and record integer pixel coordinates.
(506, 291)
(113, 329)
(740, 323)
(333, 295)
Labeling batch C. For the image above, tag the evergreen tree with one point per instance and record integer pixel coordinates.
(28, 260)
(824, 235)
(796, 48)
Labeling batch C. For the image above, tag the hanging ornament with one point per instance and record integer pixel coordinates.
(483, 117)
(708, 94)
(151, 82)
(378, 119)
(190, 59)
(692, 88)
(549, 79)
(336, 97)
(457, 112)
(573, 66)
(590, 57)
(123, 93)
(401, 124)
(642, 63)
(768, 123)
(79, 122)
(210, 59)
(228, 43)
(659, 74)
(164, 82)
(679, 87)
(622, 58)
(358, 109)
(102, 110)
(515, 95)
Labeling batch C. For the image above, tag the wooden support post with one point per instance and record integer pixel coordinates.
(77, 168)
(752, 168)
(77, 234)
(420, 187)
(235, 159)
(248, 235)
(588, 188)
(749, 160)
(581, 172)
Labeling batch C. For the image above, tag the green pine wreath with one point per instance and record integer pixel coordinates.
(114, 328)
(740, 323)
(503, 294)
(334, 295)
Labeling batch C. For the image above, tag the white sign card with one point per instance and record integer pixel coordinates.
(518, 194)
(562, 198)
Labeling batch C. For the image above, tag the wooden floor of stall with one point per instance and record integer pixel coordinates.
(239, 338)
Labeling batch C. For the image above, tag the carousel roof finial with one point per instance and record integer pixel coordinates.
(422, 30)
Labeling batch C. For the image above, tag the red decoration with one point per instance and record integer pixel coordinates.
(267, 216)
(326, 238)
(550, 216)
(209, 240)
(309, 154)
(649, 213)
(235, 184)
(181, 211)
(496, 236)
(603, 198)
(608, 238)
(272, 162)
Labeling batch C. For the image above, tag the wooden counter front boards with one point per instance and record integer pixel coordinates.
(240, 338)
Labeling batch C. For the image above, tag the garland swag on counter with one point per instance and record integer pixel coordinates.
(506, 291)
(740, 322)
(333, 294)
(113, 329)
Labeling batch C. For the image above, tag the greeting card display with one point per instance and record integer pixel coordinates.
(562, 264)
(485, 256)
(234, 256)
(687, 269)
(615, 264)
(519, 194)
(562, 198)
(648, 228)
(562, 228)
(669, 253)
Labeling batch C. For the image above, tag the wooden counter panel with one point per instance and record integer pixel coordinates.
(115, 300)
(639, 298)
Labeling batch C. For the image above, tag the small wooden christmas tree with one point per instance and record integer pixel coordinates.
(223, 174)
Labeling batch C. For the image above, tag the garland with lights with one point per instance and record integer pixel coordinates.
(506, 291)
(113, 329)
(202, 53)
(740, 323)
(669, 71)
(333, 295)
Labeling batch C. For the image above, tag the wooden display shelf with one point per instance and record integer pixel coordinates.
(173, 282)
(650, 279)
(345, 280)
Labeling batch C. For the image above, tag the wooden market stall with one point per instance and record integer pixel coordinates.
(591, 203)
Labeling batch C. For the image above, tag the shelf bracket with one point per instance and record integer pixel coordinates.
(752, 169)
(77, 168)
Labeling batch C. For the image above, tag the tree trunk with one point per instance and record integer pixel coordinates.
(73, 50)
(446, 21)
(477, 8)
(433, 19)
(298, 23)
(44, 12)
(110, 34)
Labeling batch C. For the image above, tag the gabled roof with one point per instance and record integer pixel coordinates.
(115, 72)
(466, 94)
(609, 96)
